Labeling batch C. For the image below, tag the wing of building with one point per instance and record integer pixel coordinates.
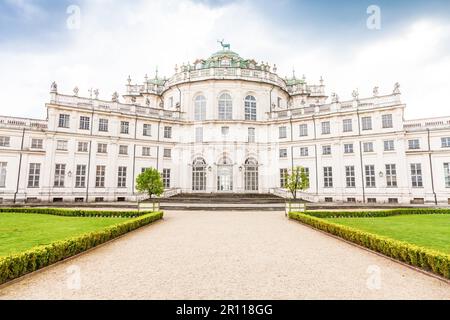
(225, 124)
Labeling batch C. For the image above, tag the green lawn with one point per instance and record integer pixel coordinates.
(429, 231)
(19, 232)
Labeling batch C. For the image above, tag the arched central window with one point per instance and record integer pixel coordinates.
(225, 107)
(200, 108)
(199, 175)
(251, 175)
(250, 108)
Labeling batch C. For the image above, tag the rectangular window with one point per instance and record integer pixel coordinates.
(347, 125)
(102, 148)
(447, 174)
(5, 141)
(60, 174)
(283, 174)
(283, 153)
(304, 152)
(100, 176)
(368, 146)
(167, 153)
(85, 123)
(199, 135)
(80, 176)
(389, 145)
(326, 127)
(34, 175)
(370, 176)
(147, 130)
(350, 176)
(168, 132)
(326, 150)
(348, 148)
(61, 145)
(225, 131)
(282, 132)
(307, 174)
(445, 142)
(3, 174)
(37, 143)
(83, 146)
(303, 130)
(146, 151)
(391, 175)
(103, 125)
(387, 121)
(414, 144)
(366, 123)
(124, 127)
(328, 177)
(123, 150)
(166, 178)
(122, 177)
(64, 121)
(251, 135)
(416, 175)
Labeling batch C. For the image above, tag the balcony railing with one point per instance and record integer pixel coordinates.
(12, 122)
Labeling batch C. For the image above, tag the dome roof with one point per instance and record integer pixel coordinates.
(225, 53)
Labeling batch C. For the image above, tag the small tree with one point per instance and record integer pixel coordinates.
(151, 183)
(296, 181)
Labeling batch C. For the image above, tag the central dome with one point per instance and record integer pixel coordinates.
(225, 53)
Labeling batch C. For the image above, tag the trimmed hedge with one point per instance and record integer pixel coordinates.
(20, 264)
(76, 213)
(413, 255)
(375, 214)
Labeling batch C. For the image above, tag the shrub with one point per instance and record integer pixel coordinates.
(375, 214)
(413, 255)
(76, 213)
(17, 265)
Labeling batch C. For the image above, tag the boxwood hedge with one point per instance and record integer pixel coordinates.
(374, 214)
(413, 255)
(76, 213)
(17, 265)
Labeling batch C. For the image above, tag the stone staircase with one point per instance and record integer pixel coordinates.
(223, 202)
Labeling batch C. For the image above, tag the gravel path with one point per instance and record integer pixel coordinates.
(228, 255)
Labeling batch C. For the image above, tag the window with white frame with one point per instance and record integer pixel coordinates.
(282, 132)
(85, 123)
(413, 144)
(225, 107)
(123, 150)
(328, 177)
(166, 178)
(80, 176)
(83, 146)
(347, 125)
(200, 108)
(199, 175)
(326, 129)
(3, 166)
(348, 148)
(391, 175)
(368, 146)
(199, 134)
(370, 176)
(366, 123)
(61, 145)
(326, 150)
(350, 177)
(168, 132)
(445, 142)
(64, 121)
(283, 177)
(100, 174)
(4, 141)
(60, 174)
(283, 153)
(447, 174)
(34, 175)
(146, 151)
(225, 131)
(251, 135)
(303, 130)
(102, 148)
(416, 175)
(389, 145)
(251, 175)
(250, 108)
(147, 130)
(304, 152)
(124, 127)
(387, 121)
(37, 143)
(103, 125)
(122, 177)
(167, 153)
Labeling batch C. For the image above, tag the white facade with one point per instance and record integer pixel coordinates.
(225, 124)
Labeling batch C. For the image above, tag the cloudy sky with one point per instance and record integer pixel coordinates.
(98, 43)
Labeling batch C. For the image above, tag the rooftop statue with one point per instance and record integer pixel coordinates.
(225, 46)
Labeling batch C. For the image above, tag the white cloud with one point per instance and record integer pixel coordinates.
(118, 38)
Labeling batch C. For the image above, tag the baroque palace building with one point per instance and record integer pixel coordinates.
(225, 124)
